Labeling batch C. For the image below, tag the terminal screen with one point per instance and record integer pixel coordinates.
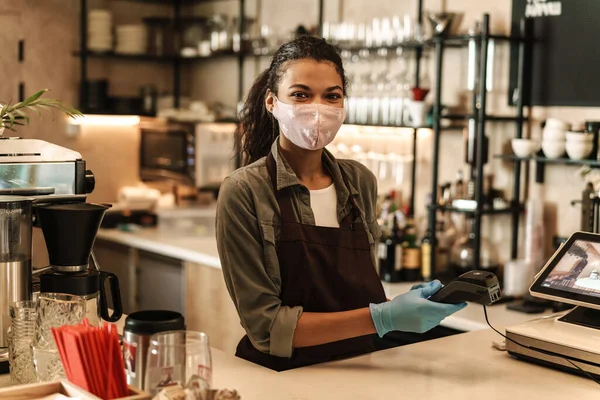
(578, 271)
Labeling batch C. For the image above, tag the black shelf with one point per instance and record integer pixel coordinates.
(506, 118)
(485, 211)
(545, 160)
(154, 58)
(173, 2)
(463, 40)
(447, 128)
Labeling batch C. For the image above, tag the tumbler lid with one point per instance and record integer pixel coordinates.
(149, 322)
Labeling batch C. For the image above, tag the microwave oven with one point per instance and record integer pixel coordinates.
(191, 154)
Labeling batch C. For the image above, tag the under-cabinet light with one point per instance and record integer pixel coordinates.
(106, 120)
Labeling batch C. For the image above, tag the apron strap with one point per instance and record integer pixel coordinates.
(354, 214)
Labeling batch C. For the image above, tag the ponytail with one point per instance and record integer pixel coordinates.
(258, 129)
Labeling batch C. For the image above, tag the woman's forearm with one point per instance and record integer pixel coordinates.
(320, 328)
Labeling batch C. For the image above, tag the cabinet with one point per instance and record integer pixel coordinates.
(147, 280)
(160, 283)
(210, 308)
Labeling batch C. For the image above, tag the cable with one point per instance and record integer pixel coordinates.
(588, 375)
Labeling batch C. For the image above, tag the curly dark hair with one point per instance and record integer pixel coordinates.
(258, 129)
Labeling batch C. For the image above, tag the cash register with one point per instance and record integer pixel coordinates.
(568, 340)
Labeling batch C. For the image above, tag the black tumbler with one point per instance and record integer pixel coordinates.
(139, 327)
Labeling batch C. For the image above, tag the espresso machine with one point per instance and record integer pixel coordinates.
(35, 178)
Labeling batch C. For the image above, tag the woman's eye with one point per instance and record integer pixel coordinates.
(334, 96)
(300, 95)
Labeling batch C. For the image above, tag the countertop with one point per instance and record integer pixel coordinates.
(196, 249)
(463, 366)
(203, 250)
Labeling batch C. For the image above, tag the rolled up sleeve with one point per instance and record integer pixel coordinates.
(269, 325)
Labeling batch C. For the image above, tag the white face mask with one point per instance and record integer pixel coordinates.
(309, 126)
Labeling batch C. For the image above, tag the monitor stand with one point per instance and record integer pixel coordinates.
(583, 316)
(549, 340)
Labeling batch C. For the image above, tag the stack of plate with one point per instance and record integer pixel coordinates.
(132, 39)
(100, 36)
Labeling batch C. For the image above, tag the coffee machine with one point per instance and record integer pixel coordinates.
(35, 175)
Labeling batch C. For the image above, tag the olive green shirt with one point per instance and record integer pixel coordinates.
(248, 226)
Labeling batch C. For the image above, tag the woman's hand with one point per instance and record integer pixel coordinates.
(412, 312)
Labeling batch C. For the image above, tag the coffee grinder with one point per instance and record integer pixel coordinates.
(70, 232)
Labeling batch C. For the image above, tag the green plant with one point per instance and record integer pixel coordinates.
(15, 114)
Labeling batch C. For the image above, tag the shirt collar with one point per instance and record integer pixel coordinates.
(286, 176)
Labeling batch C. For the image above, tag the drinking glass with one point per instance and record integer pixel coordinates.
(178, 357)
(23, 316)
(53, 310)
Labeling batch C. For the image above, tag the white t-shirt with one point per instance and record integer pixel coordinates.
(324, 205)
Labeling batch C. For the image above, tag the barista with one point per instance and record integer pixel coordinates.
(296, 227)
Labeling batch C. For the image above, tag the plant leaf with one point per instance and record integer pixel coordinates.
(34, 96)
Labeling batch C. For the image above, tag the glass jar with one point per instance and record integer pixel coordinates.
(20, 335)
(53, 310)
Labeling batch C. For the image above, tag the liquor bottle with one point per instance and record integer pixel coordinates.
(398, 234)
(411, 253)
(389, 253)
(426, 256)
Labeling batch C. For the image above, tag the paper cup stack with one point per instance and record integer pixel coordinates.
(554, 138)
(131, 39)
(100, 36)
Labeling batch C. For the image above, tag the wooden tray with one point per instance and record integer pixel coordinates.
(40, 390)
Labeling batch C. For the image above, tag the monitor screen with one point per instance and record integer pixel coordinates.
(572, 275)
(578, 271)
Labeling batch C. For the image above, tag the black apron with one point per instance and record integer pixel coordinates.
(323, 270)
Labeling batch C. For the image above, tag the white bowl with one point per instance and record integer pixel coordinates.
(524, 147)
(553, 148)
(550, 133)
(579, 137)
(579, 150)
(557, 123)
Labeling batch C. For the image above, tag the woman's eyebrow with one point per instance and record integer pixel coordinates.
(331, 89)
(300, 86)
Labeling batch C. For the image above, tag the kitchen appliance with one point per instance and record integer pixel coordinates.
(45, 173)
(475, 286)
(15, 256)
(139, 327)
(568, 338)
(70, 231)
(190, 154)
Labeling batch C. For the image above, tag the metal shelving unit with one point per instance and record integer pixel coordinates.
(481, 119)
(176, 61)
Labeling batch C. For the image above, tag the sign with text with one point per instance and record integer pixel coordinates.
(564, 60)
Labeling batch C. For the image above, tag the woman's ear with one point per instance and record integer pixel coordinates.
(270, 101)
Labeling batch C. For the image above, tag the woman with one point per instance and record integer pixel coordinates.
(296, 229)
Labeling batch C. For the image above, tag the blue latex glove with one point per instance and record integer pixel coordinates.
(421, 285)
(412, 312)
